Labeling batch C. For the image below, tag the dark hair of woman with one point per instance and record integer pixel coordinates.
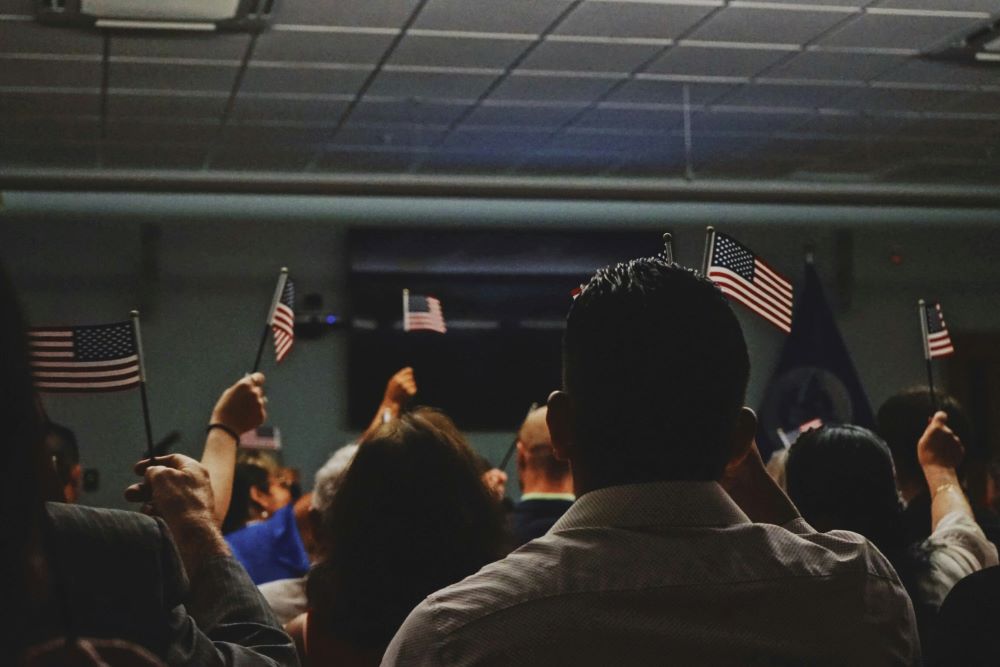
(412, 516)
(29, 482)
(842, 477)
(245, 477)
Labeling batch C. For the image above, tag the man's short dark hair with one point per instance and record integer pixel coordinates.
(903, 418)
(657, 365)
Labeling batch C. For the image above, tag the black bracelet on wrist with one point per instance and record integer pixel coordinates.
(222, 427)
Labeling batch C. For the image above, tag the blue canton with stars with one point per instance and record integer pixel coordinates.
(729, 254)
(103, 342)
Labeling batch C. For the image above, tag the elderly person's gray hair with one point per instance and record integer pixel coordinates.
(329, 477)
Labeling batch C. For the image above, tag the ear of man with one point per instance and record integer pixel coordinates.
(742, 437)
(559, 419)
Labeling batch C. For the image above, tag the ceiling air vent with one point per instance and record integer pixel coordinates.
(203, 15)
(982, 47)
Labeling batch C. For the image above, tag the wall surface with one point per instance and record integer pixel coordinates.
(201, 269)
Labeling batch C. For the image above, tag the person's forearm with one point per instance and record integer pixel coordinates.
(219, 457)
(946, 493)
(386, 407)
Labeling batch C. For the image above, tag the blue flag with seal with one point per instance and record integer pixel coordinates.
(815, 382)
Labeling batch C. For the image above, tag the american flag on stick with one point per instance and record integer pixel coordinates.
(282, 319)
(422, 313)
(92, 358)
(937, 342)
(745, 277)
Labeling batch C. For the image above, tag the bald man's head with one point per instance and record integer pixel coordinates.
(536, 461)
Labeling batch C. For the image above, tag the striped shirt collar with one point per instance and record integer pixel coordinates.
(653, 504)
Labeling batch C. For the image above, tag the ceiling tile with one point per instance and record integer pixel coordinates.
(430, 86)
(358, 13)
(167, 106)
(82, 156)
(123, 76)
(610, 117)
(489, 140)
(278, 133)
(321, 47)
(154, 156)
(48, 73)
(856, 123)
(551, 88)
(262, 79)
(407, 111)
(920, 71)
(668, 92)
(210, 46)
(457, 51)
(511, 16)
(646, 20)
(822, 66)
(23, 103)
(466, 162)
(738, 24)
(366, 160)
(898, 32)
(50, 129)
(23, 7)
(763, 123)
(305, 108)
(578, 139)
(248, 158)
(535, 116)
(787, 96)
(980, 103)
(565, 164)
(699, 61)
(897, 99)
(581, 57)
(390, 136)
(31, 37)
(951, 5)
(134, 130)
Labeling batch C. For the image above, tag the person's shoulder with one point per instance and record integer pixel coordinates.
(101, 526)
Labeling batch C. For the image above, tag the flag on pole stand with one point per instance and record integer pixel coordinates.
(814, 382)
(89, 359)
(422, 313)
(937, 340)
(280, 321)
(746, 278)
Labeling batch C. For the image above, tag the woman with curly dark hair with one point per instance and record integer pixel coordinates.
(411, 517)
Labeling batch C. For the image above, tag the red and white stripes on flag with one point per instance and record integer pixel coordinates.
(282, 319)
(937, 340)
(97, 358)
(743, 276)
(422, 313)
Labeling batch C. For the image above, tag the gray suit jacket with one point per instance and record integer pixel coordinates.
(118, 575)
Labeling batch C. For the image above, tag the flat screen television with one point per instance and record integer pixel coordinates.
(505, 295)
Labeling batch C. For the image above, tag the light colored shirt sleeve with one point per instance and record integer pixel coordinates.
(417, 642)
(957, 548)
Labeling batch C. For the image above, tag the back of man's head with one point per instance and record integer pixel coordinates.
(903, 418)
(535, 455)
(329, 477)
(655, 363)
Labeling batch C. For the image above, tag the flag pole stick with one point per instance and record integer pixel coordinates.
(668, 247)
(513, 445)
(137, 337)
(282, 279)
(922, 307)
(709, 242)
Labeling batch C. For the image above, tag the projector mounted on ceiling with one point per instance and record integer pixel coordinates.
(982, 47)
(202, 15)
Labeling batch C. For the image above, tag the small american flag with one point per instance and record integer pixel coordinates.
(101, 357)
(938, 341)
(743, 276)
(283, 321)
(576, 291)
(422, 313)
